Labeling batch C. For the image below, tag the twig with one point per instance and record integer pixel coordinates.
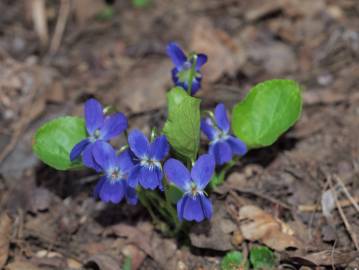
(317, 207)
(344, 218)
(346, 192)
(40, 21)
(64, 12)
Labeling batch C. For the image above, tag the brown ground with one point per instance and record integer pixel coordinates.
(49, 220)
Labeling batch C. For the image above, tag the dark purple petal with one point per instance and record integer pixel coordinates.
(221, 117)
(208, 128)
(196, 85)
(99, 186)
(131, 195)
(150, 178)
(221, 151)
(113, 126)
(238, 147)
(177, 173)
(194, 208)
(177, 55)
(78, 149)
(134, 176)
(124, 160)
(159, 148)
(138, 143)
(201, 60)
(112, 191)
(88, 159)
(93, 115)
(104, 155)
(203, 170)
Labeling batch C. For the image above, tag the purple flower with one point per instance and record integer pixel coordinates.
(113, 186)
(183, 65)
(222, 145)
(194, 205)
(99, 128)
(148, 171)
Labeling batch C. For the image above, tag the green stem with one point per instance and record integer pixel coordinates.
(144, 201)
(192, 74)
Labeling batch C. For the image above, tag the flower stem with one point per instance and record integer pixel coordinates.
(192, 73)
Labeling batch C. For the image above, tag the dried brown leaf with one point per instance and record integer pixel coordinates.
(21, 265)
(5, 231)
(104, 262)
(257, 225)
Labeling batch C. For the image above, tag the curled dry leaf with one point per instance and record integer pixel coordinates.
(5, 231)
(257, 225)
(21, 265)
(104, 262)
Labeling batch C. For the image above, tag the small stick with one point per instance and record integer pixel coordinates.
(317, 207)
(40, 21)
(346, 192)
(344, 218)
(60, 26)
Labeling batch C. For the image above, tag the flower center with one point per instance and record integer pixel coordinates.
(96, 135)
(185, 72)
(115, 174)
(150, 163)
(220, 136)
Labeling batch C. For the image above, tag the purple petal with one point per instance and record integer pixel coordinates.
(150, 178)
(203, 170)
(104, 155)
(221, 117)
(131, 195)
(134, 176)
(208, 128)
(221, 151)
(159, 148)
(238, 147)
(78, 149)
(93, 115)
(138, 143)
(177, 55)
(201, 60)
(99, 186)
(194, 208)
(177, 173)
(113, 126)
(88, 159)
(196, 85)
(124, 160)
(112, 191)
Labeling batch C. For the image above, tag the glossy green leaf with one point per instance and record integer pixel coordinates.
(234, 260)
(182, 127)
(54, 141)
(262, 258)
(269, 110)
(174, 193)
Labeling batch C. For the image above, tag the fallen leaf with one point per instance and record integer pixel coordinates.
(137, 255)
(104, 262)
(21, 265)
(214, 234)
(225, 55)
(257, 225)
(5, 231)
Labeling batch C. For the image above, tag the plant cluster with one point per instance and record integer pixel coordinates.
(168, 172)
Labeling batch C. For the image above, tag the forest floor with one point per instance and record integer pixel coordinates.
(299, 196)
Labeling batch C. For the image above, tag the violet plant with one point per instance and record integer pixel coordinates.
(170, 175)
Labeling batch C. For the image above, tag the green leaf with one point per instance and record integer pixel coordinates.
(269, 110)
(262, 258)
(174, 193)
(54, 141)
(234, 260)
(127, 264)
(141, 3)
(105, 14)
(182, 127)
